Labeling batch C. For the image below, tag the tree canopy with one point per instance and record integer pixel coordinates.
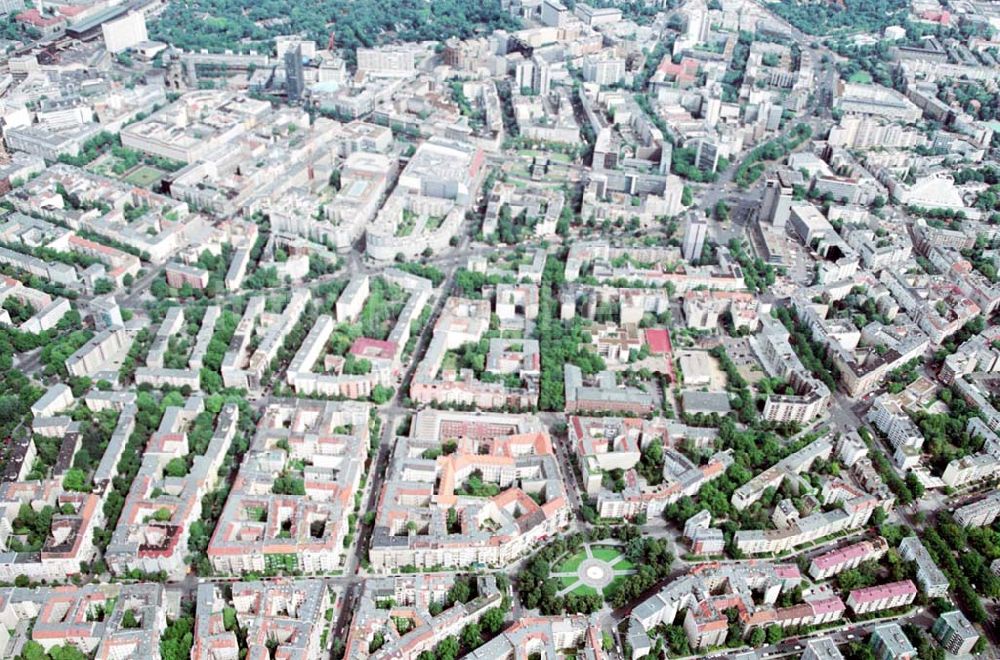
(219, 25)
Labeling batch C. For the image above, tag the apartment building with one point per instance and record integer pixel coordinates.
(195, 125)
(603, 444)
(808, 400)
(57, 398)
(652, 298)
(179, 274)
(72, 617)
(506, 459)
(58, 273)
(99, 352)
(882, 597)
(464, 321)
(306, 374)
(107, 469)
(787, 468)
(603, 69)
(288, 614)
(548, 634)
(955, 633)
(830, 563)
(968, 469)
(364, 179)
(70, 539)
(543, 205)
(869, 132)
(411, 224)
(680, 477)
(711, 589)
(702, 309)
(707, 542)
(352, 299)
(856, 508)
(244, 368)
(155, 523)
(809, 397)
(889, 642)
(415, 597)
(46, 310)
(889, 418)
(979, 514)
(604, 394)
(271, 523)
(931, 579)
(124, 214)
(823, 648)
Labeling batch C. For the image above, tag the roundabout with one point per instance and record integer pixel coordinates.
(595, 573)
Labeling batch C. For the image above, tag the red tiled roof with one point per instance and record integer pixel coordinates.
(33, 17)
(367, 347)
(881, 591)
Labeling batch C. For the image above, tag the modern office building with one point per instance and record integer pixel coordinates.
(294, 82)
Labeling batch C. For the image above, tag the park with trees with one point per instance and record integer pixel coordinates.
(220, 25)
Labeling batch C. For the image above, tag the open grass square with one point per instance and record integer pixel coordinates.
(144, 177)
(584, 590)
(572, 563)
(606, 554)
(623, 565)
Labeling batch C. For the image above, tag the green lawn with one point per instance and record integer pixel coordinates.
(144, 177)
(623, 565)
(860, 77)
(584, 590)
(519, 170)
(572, 563)
(605, 553)
(551, 155)
(406, 227)
(568, 580)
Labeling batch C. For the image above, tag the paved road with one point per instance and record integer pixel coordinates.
(139, 287)
(570, 477)
(369, 499)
